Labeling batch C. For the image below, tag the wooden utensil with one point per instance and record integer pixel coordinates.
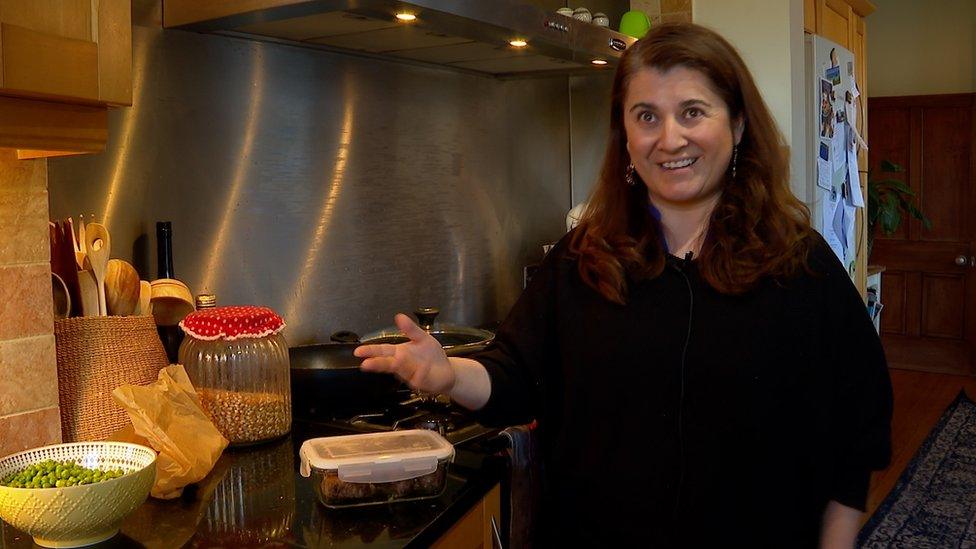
(99, 245)
(171, 301)
(121, 288)
(89, 294)
(79, 255)
(63, 260)
(82, 245)
(145, 295)
(62, 299)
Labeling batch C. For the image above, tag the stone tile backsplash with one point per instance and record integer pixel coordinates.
(29, 413)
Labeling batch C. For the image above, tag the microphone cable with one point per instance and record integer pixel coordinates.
(680, 267)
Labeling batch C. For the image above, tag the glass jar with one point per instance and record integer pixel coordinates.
(238, 363)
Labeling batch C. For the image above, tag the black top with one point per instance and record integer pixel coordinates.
(692, 418)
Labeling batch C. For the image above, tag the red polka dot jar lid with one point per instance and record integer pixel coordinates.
(230, 323)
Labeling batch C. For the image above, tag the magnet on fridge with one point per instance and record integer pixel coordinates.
(833, 74)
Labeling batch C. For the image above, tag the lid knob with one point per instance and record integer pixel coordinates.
(425, 317)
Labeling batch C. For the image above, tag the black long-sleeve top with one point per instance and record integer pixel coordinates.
(691, 418)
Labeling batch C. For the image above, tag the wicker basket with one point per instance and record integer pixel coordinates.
(96, 355)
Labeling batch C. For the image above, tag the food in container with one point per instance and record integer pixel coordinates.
(237, 360)
(372, 468)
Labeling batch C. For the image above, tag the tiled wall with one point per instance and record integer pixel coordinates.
(664, 10)
(29, 414)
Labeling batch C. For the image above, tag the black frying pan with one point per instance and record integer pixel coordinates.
(326, 378)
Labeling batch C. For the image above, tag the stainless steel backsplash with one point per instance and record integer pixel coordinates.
(335, 189)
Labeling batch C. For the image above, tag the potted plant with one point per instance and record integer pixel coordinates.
(888, 199)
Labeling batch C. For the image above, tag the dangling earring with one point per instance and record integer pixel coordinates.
(629, 175)
(735, 159)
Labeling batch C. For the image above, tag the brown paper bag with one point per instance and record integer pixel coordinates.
(167, 414)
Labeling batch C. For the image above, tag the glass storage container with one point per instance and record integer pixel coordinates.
(237, 360)
(372, 468)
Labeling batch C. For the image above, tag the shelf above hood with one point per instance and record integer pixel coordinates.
(464, 35)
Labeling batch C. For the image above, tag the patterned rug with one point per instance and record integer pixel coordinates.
(934, 502)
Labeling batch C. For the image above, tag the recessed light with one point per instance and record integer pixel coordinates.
(518, 43)
(599, 62)
(405, 16)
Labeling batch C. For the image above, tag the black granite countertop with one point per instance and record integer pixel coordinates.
(256, 497)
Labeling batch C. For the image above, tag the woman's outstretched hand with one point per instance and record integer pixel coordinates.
(420, 362)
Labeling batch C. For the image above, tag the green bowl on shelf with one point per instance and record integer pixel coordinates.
(635, 23)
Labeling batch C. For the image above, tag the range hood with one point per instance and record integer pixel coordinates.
(464, 35)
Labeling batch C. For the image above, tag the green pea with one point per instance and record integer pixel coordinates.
(51, 473)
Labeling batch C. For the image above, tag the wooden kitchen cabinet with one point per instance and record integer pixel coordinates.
(475, 529)
(62, 64)
(843, 21)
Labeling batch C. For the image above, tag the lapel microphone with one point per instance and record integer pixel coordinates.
(687, 260)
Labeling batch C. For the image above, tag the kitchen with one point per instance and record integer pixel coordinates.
(295, 178)
(265, 155)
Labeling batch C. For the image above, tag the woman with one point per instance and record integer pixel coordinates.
(702, 369)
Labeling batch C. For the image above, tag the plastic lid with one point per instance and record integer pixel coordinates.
(230, 323)
(377, 457)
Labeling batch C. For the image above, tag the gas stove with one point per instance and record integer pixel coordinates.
(436, 413)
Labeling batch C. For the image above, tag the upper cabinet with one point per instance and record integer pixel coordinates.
(67, 50)
(838, 20)
(62, 64)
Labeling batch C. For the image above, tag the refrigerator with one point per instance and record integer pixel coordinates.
(832, 185)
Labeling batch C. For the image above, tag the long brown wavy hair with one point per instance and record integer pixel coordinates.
(758, 229)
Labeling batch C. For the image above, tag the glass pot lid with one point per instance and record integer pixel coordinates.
(455, 339)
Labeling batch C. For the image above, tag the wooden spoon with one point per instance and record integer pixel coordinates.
(121, 288)
(89, 295)
(99, 246)
(145, 294)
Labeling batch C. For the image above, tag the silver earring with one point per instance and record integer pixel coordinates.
(735, 159)
(629, 175)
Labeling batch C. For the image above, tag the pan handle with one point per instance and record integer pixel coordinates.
(345, 336)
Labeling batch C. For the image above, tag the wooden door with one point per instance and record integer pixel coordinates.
(929, 317)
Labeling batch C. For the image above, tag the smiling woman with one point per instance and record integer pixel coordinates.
(736, 397)
(686, 115)
(680, 137)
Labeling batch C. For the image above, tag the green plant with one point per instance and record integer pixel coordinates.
(888, 199)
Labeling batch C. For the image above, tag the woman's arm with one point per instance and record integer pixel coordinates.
(840, 526)
(472, 386)
(423, 365)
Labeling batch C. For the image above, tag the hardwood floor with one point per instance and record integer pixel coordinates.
(920, 399)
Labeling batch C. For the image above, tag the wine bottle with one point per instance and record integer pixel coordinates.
(171, 336)
(164, 249)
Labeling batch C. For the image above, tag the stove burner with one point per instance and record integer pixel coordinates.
(440, 423)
